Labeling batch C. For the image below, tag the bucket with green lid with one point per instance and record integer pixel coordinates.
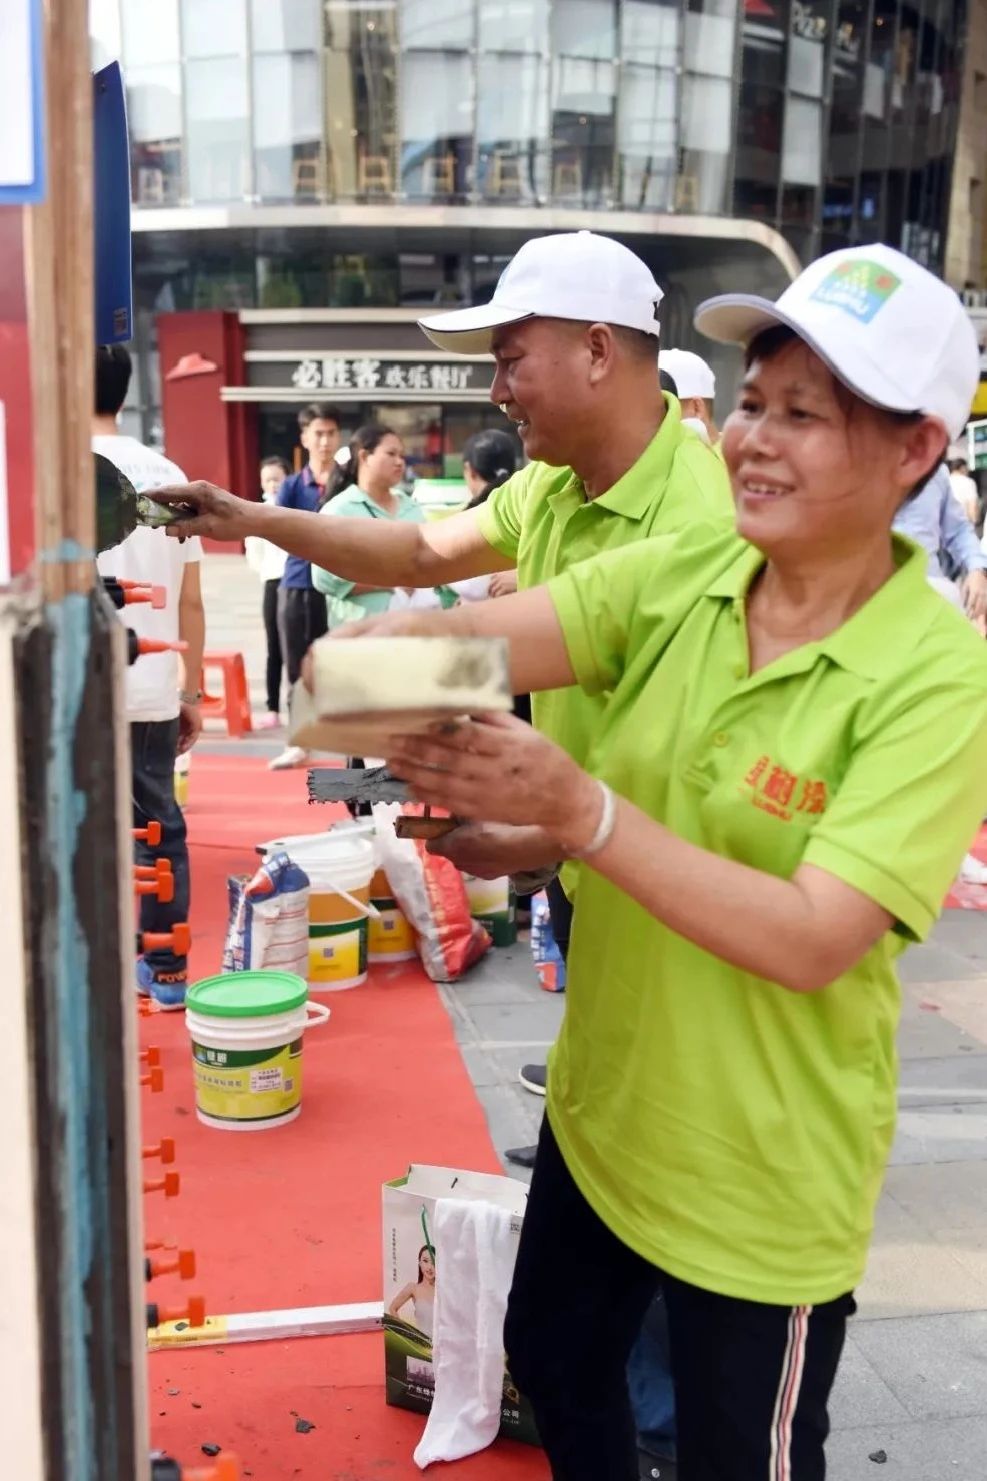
(246, 1030)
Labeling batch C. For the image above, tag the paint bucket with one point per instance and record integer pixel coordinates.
(246, 1030)
(339, 867)
(492, 903)
(182, 767)
(339, 864)
(390, 936)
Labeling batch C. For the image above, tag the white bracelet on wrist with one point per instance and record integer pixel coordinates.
(604, 829)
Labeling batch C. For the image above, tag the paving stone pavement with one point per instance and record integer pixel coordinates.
(913, 1382)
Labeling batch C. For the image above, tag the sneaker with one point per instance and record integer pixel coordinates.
(290, 756)
(972, 871)
(523, 1156)
(270, 720)
(169, 996)
(534, 1077)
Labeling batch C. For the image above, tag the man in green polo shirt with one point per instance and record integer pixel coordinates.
(573, 327)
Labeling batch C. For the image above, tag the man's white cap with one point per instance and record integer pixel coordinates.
(691, 374)
(574, 275)
(888, 329)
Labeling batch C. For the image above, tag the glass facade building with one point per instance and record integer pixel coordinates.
(292, 158)
(832, 121)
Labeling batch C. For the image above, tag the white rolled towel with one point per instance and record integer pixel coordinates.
(474, 1265)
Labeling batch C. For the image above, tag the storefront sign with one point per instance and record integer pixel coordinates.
(363, 373)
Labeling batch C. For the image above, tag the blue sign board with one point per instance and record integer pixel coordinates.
(114, 311)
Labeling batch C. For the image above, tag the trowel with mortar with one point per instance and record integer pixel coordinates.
(120, 508)
(367, 690)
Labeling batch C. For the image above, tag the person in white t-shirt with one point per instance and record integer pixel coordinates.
(268, 561)
(162, 688)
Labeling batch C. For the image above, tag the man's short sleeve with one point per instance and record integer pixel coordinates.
(501, 516)
(596, 602)
(909, 805)
(628, 602)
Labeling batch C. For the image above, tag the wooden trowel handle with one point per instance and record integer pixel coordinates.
(412, 827)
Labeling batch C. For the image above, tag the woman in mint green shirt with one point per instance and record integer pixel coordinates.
(365, 486)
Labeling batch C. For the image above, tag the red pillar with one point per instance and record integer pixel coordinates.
(209, 438)
(15, 392)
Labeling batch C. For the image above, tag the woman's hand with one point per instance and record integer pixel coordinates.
(489, 850)
(496, 769)
(213, 512)
(503, 583)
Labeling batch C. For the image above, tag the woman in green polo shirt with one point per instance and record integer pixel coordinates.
(781, 789)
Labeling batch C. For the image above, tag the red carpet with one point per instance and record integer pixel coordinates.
(291, 1216)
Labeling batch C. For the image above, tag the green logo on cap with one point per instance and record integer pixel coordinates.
(858, 287)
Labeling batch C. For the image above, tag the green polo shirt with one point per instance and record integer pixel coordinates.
(542, 520)
(730, 1130)
(354, 502)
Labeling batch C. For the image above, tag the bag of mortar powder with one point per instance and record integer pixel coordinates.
(268, 919)
(431, 892)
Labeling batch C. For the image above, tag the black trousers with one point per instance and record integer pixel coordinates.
(274, 661)
(752, 1381)
(560, 909)
(301, 619)
(153, 747)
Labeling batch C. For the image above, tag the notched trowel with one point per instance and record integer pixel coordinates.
(372, 784)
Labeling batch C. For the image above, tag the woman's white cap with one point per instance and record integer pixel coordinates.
(691, 374)
(572, 275)
(889, 329)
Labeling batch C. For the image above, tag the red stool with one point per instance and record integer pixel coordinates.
(234, 706)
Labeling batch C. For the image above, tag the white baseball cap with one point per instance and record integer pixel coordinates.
(890, 330)
(691, 374)
(573, 275)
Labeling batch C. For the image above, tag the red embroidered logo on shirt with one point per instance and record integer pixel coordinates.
(780, 792)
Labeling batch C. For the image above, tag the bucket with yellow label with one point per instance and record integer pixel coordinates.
(340, 866)
(390, 937)
(247, 1033)
(337, 929)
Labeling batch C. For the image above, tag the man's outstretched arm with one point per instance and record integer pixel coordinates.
(377, 553)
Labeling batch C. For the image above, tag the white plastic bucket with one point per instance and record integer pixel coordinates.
(390, 937)
(247, 1031)
(339, 866)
